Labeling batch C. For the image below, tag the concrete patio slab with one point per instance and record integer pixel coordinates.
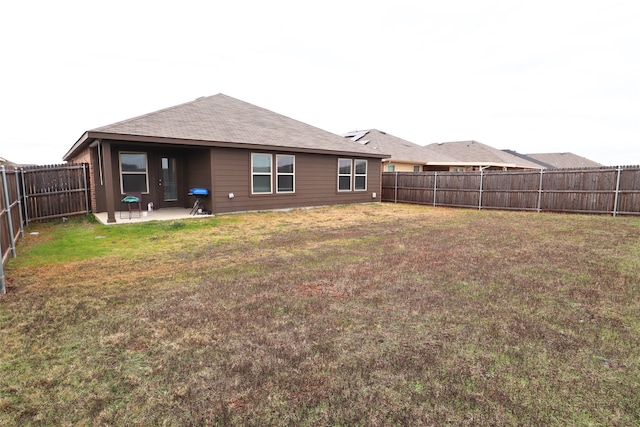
(167, 214)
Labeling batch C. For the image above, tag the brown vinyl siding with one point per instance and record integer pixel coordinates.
(315, 182)
(228, 170)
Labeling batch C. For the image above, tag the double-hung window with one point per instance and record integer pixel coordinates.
(352, 174)
(360, 175)
(133, 173)
(344, 174)
(262, 175)
(285, 173)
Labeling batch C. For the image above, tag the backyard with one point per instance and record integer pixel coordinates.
(362, 315)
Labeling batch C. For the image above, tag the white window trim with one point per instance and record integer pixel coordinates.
(145, 173)
(355, 174)
(292, 174)
(344, 174)
(270, 174)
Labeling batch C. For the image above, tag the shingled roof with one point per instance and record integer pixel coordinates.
(399, 149)
(221, 120)
(564, 160)
(479, 154)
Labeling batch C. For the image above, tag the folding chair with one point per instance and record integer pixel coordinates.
(134, 203)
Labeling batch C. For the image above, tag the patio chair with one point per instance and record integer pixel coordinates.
(133, 201)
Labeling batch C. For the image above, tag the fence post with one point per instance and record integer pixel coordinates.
(615, 200)
(435, 186)
(480, 196)
(8, 205)
(3, 289)
(24, 196)
(86, 187)
(540, 190)
(19, 203)
(395, 190)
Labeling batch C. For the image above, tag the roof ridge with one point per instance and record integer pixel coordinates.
(162, 110)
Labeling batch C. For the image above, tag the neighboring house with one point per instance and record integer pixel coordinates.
(405, 156)
(474, 155)
(5, 162)
(457, 156)
(562, 161)
(247, 157)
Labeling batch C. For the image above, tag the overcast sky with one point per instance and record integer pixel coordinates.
(532, 76)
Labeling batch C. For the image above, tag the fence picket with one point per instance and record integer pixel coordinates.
(612, 191)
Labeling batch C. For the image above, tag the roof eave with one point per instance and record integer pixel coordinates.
(83, 140)
(92, 135)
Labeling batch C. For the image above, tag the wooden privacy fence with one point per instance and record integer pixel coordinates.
(613, 191)
(37, 193)
(55, 191)
(10, 217)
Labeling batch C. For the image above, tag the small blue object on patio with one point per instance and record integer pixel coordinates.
(199, 194)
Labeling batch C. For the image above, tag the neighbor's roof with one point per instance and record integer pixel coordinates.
(400, 150)
(221, 120)
(478, 154)
(564, 160)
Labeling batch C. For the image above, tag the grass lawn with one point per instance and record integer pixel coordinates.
(370, 315)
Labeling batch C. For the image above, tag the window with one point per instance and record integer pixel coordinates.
(133, 173)
(455, 169)
(344, 174)
(285, 173)
(360, 175)
(352, 173)
(391, 167)
(416, 168)
(260, 173)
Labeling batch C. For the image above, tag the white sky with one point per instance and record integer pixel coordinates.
(531, 75)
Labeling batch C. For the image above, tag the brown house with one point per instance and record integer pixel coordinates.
(248, 158)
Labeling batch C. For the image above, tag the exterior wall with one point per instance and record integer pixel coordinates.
(228, 170)
(401, 167)
(198, 169)
(316, 182)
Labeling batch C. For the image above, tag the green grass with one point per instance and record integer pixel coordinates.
(83, 238)
(369, 315)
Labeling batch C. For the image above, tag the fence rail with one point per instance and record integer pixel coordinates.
(37, 193)
(613, 191)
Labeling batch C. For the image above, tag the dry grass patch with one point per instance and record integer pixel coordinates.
(357, 315)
